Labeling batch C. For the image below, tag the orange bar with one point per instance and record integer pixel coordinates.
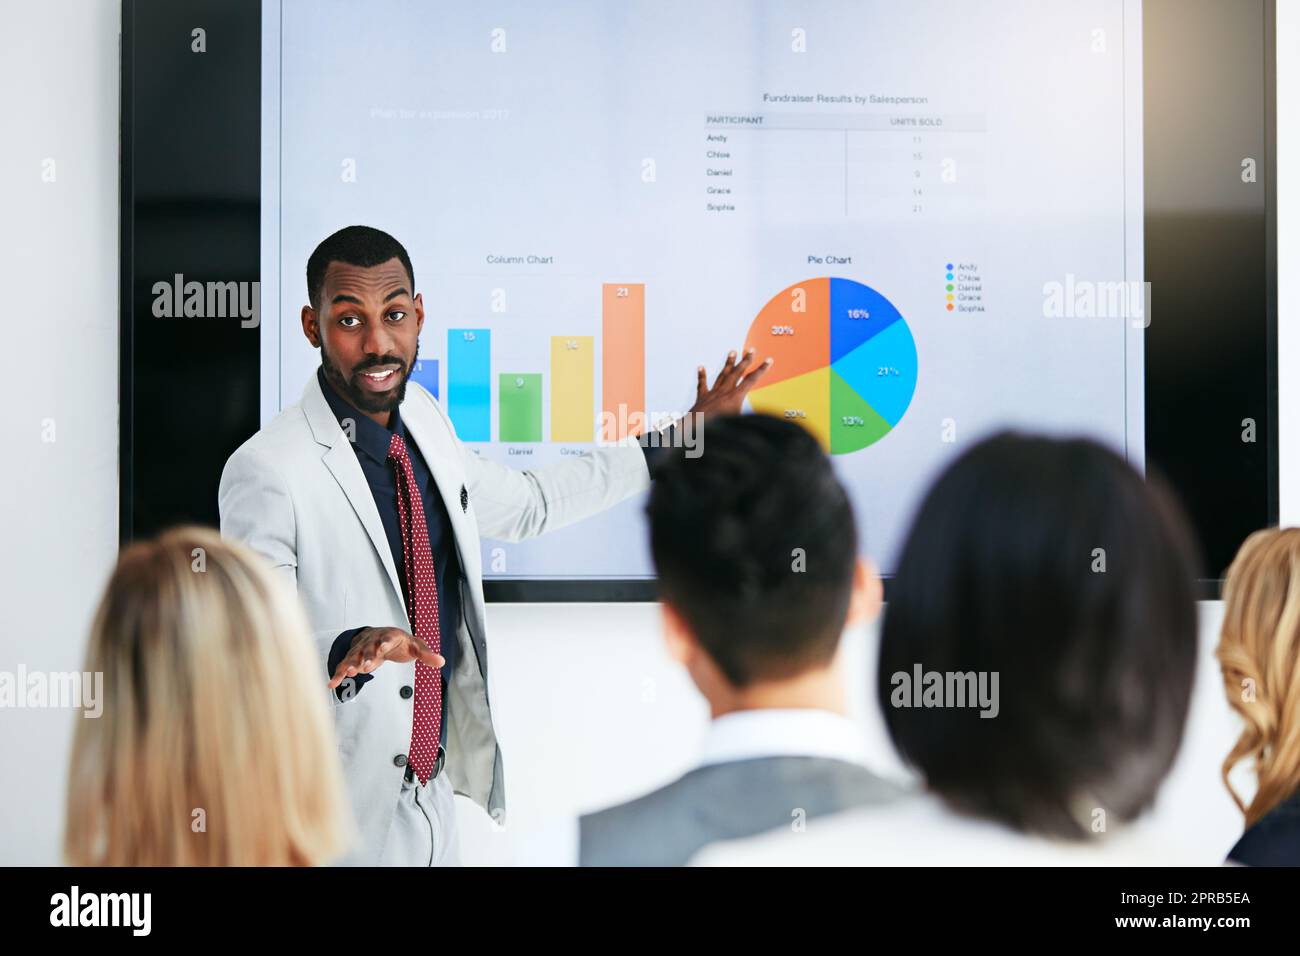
(622, 360)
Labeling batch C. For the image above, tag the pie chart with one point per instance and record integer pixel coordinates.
(845, 362)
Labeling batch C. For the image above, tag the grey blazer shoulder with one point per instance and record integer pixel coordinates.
(725, 801)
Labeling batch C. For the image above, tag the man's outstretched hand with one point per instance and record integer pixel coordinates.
(374, 645)
(730, 387)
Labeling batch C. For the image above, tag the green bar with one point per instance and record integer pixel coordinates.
(520, 407)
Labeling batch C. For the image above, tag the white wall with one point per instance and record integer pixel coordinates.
(611, 716)
(58, 271)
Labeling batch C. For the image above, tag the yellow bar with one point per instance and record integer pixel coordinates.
(573, 387)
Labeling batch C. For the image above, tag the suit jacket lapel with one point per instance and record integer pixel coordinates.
(435, 456)
(341, 460)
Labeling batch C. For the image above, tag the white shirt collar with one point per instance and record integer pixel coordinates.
(773, 732)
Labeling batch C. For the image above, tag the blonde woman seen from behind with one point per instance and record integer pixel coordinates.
(1259, 653)
(215, 746)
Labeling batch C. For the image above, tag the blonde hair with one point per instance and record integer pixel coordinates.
(216, 745)
(1259, 653)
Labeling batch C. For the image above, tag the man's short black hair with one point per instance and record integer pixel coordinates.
(1053, 563)
(755, 547)
(362, 246)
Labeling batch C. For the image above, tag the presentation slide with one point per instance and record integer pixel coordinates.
(929, 213)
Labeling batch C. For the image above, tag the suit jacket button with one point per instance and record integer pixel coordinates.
(399, 760)
(406, 692)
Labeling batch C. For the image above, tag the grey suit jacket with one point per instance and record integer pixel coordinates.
(296, 494)
(725, 801)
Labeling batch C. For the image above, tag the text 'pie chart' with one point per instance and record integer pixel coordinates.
(845, 362)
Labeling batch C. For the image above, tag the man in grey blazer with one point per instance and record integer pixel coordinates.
(756, 552)
(364, 497)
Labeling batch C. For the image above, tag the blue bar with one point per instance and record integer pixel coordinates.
(469, 384)
(426, 373)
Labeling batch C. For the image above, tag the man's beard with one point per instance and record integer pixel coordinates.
(362, 399)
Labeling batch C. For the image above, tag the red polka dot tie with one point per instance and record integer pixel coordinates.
(422, 608)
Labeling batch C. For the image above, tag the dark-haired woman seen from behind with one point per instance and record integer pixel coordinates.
(1036, 665)
(1259, 653)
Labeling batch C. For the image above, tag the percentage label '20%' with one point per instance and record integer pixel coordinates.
(795, 413)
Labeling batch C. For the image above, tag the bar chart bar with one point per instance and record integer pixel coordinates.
(469, 383)
(573, 387)
(622, 360)
(426, 373)
(519, 403)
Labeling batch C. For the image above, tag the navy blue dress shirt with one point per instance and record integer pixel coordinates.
(1274, 840)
